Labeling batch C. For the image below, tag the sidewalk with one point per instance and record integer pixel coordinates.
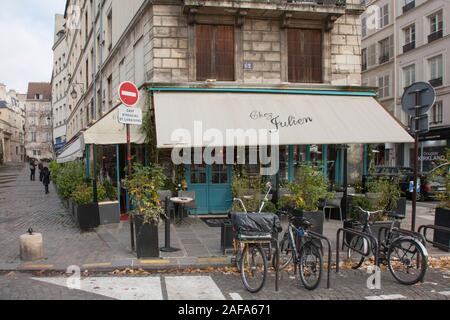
(23, 205)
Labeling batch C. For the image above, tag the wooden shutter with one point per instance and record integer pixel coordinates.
(305, 55)
(215, 52)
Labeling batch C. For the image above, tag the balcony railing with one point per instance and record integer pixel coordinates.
(319, 2)
(436, 82)
(409, 6)
(408, 47)
(384, 58)
(435, 36)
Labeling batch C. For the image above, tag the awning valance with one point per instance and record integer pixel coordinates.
(108, 131)
(190, 119)
(72, 152)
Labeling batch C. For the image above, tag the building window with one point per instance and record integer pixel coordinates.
(305, 56)
(33, 136)
(409, 75)
(386, 49)
(372, 55)
(364, 59)
(410, 38)
(437, 113)
(139, 66)
(110, 93)
(384, 16)
(436, 70)
(109, 31)
(215, 52)
(364, 26)
(436, 26)
(384, 87)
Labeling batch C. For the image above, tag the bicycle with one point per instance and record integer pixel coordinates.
(251, 256)
(402, 251)
(305, 251)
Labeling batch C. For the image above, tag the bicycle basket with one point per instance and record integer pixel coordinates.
(256, 225)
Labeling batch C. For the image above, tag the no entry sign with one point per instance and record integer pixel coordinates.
(128, 94)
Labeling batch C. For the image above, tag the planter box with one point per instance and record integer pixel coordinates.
(443, 220)
(109, 212)
(227, 236)
(316, 219)
(147, 239)
(401, 207)
(87, 216)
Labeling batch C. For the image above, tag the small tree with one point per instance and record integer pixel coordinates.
(143, 188)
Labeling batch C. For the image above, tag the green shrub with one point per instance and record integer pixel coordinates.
(55, 170)
(362, 202)
(111, 191)
(83, 194)
(390, 193)
(251, 190)
(69, 177)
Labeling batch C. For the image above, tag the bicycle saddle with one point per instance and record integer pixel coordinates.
(396, 215)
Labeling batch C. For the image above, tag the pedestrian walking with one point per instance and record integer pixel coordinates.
(46, 179)
(33, 170)
(41, 173)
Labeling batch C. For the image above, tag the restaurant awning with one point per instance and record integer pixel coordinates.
(108, 131)
(73, 151)
(183, 118)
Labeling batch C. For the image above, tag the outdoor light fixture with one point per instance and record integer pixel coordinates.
(74, 93)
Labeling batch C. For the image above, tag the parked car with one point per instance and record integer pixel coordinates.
(430, 185)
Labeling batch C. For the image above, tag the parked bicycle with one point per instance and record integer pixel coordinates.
(402, 251)
(255, 235)
(298, 247)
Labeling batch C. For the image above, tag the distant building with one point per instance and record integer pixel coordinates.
(38, 126)
(404, 42)
(12, 126)
(59, 84)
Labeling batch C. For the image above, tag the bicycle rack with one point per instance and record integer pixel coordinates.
(322, 238)
(369, 238)
(416, 235)
(424, 230)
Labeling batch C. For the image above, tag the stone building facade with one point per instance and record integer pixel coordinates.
(38, 122)
(12, 126)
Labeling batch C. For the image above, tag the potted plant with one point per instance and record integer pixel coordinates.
(309, 188)
(442, 217)
(69, 177)
(143, 188)
(109, 207)
(86, 211)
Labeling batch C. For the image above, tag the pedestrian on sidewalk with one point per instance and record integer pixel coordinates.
(41, 172)
(33, 170)
(46, 179)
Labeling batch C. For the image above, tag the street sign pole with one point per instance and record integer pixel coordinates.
(416, 161)
(129, 96)
(130, 172)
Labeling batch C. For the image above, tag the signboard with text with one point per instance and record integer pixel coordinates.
(132, 116)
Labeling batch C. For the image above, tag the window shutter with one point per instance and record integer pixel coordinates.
(204, 52)
(305, 55)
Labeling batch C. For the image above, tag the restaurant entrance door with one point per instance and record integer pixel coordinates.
(212, 187)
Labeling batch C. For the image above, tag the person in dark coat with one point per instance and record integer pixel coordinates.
(46, 179)
(33, 171)
(41, 172)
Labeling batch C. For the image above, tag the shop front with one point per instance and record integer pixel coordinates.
(432, 150)
(211, 131)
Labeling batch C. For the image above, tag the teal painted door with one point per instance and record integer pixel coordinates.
(212, 187)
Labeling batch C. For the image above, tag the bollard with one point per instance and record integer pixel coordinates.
(31, 246)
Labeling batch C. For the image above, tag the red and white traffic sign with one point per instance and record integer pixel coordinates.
(128, 94)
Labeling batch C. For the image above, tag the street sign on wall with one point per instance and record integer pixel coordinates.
(131, 116)
(128, 94)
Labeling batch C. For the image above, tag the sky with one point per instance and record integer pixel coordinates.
(26, 40)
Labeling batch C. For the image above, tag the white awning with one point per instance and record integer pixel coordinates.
(108, 131)
(72, 152)
(183, 118)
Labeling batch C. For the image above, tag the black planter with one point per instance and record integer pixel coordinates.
(315, 218)
(227, 236)
(87, 216)
(443, 220)
(401, 207)
(147, 239)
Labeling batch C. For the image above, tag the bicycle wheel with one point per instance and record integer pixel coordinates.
(286, 253)
(356, 246)
(407, 261)
(253, 268)
(310, 266)
(239, 249)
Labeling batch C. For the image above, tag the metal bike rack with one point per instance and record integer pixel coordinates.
(403, 232)
(423, 230)
(373, 244)
(322, 238)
